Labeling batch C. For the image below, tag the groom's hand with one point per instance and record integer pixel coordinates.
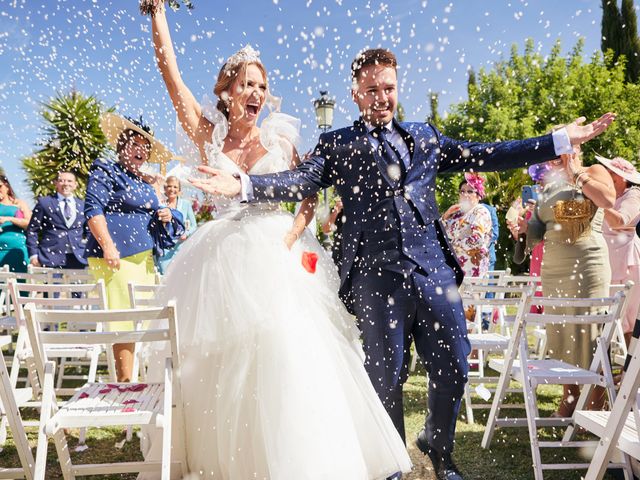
(219, 182)
(579, 133)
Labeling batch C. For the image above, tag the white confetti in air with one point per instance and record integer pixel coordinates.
(394, 172)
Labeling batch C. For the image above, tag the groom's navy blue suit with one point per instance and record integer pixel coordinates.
(397, 274)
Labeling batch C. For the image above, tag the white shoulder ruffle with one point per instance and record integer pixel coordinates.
(280, 135)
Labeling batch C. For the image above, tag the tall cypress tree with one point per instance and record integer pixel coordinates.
(630, 40)
(434, 117)
(471, 83)
(611, 28)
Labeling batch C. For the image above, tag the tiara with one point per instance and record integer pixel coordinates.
(246, 54)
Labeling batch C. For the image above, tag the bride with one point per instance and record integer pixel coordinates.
(273, 380)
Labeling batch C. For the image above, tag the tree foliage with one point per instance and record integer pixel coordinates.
(611, 28)
(526, 95)
(72, 140)
(620, 35)
(434, 116)
(630, 40)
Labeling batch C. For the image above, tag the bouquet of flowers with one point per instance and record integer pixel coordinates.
(203, 211)
(150, 7)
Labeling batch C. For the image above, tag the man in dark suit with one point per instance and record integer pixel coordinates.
(57, 230)
(398, 275)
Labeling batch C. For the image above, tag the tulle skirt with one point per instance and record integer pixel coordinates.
(273, 381)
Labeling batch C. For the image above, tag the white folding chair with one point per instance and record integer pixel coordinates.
(533, 372)
(71, 275)
(9, 409)
(618, 345)
(98, 404)
(484, 341)
(142, 296)
(618, 429)
(9, 321)
(60, 296)
(539, 333)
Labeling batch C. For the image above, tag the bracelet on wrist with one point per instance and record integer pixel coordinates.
(582, 179)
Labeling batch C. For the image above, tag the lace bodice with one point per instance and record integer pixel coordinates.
(278, 134)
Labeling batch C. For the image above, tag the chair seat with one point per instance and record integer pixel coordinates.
(63, 351)
(596, 423)
(488, 341)
(22, 397)
(552, 371)
(101, 404)
(5, 340)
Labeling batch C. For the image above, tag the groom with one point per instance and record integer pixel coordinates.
(398, 275)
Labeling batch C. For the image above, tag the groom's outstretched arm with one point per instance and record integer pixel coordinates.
(463, 155)
(288, 186)
(295, 185)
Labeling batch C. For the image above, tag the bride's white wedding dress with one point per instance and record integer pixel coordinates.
(273, 381)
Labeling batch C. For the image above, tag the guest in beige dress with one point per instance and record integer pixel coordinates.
(568, 217)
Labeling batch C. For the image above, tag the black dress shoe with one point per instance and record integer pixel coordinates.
(442, 462)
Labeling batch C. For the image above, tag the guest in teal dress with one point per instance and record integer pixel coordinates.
(14, 218)
(172, 193)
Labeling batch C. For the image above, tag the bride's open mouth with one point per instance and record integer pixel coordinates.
(253, 109)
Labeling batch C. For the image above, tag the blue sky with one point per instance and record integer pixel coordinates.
(104, 48)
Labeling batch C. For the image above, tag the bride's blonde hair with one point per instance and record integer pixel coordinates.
(226, 77)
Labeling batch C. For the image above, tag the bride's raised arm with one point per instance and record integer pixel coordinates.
(194, 123)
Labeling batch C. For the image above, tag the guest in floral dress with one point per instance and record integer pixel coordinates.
(468, 226)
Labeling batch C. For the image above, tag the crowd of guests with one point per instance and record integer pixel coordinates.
(580, 233)
(123, 230)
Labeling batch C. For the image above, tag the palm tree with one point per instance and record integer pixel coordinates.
(72, 140)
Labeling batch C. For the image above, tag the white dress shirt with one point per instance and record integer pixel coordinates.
(395, 139)
(72, 205)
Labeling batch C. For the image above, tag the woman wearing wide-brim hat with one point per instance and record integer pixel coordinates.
(619, 230)
(121, 208)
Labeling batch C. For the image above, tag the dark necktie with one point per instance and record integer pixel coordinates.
(388, 152)
(67, 209)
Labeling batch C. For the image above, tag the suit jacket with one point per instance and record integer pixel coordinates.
(388, 222)
(49, 237)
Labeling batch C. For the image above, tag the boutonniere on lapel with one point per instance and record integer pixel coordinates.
(309, 261)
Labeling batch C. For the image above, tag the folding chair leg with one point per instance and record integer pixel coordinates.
(414, 362)
(47, 410)
(609, 440)
(3, 430)
(167, 420)
(61, 367)
(530, 402)
(503, 385)
(111, 363)
(64, 458)
(21, 344)
(12, 417)
(467, 403)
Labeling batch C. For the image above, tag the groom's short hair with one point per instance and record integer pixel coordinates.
(374, 56)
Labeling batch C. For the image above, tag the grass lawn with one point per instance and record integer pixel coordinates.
(508, 459)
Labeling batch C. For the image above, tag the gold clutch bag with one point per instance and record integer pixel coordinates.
(574, 216)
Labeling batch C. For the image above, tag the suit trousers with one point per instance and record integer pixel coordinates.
(392, 310)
